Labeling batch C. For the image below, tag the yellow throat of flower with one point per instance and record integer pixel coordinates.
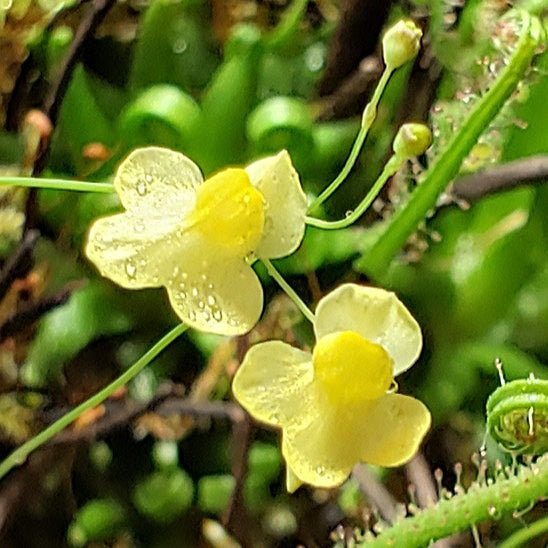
(230, 211)
(350, 369)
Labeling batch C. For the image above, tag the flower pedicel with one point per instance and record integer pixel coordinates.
(336, 406)
(197, 237)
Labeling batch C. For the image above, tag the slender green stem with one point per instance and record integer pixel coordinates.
(20, 454)
(406, 220)
(57, 184)
(369, 114)
(289, 290)
(390, 168)
(480, 503)
(525, 535)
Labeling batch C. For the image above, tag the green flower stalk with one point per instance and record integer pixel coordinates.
(406, 220)
(481, 502)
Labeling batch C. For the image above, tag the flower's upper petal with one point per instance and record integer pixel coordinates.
(273, 382)
(285, 210)
(129, 250)
(320, 446)
(156, 180)
(212, 290)
(377, 315)
(392, 430)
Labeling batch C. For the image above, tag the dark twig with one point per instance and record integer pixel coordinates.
(28, 315)
(19, 264)
(236, 520)
(356, 37)
(91, 20)
(376, 493)
(348, 99)
(419, 475)
(118, 413)
(504, 177)
(52, 103)
(212, 409)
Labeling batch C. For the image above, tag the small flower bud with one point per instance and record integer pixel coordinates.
(412, 140)
(401, 43)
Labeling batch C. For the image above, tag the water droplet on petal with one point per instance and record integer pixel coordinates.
(194, 292)
(211, 300)
(201, 305)
(131, 269)
(142, 188)
(217, 315)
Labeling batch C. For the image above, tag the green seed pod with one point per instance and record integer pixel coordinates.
(517, 416)
(97, 520)
(164, 495)
(161, 115)
(282, 123)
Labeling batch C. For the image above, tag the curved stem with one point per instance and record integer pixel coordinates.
(390, 168)
(57, 184)
(480, 503)
(368, 118)
(447, 165)
(20, 454)
(289, 290)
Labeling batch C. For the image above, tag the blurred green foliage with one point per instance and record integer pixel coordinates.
(480, 292)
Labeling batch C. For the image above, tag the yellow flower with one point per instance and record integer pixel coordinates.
(197, 237)
(335, 406)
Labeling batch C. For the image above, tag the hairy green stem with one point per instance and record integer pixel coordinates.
(288, 290)
(525, 535)
(18, 457)
(57, 184)
(480, 503)
(390, 168)
(424, 197)
(368, 117)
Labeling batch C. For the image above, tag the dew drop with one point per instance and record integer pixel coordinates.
(217, 315)
(211, 300)
(201, 305)
(142, 188)
(142, 262)
(194, 292)
(176, 271)
(179, 46)
(131, 269)
(207, 315)
(492, 510)
(148, 178)
(192, 315)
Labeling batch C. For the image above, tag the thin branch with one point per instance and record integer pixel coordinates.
(376, 493)
(419, 475)
(28, 315)
(52, 103)
(504, 177)
(19, 264)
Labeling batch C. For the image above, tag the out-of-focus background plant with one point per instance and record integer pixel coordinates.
(171, 460)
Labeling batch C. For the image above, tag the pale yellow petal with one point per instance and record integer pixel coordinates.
(377, 315)
(129, 250)
(212, 290)
(273, 382)
(292, 482)
(321, 448)
(392, 430)
(285, 210)
(157, 179)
